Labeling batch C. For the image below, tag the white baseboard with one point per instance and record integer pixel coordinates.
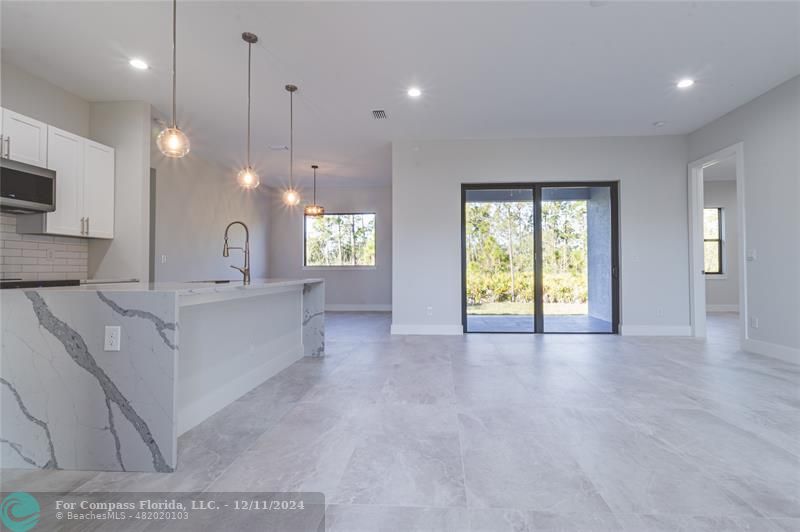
(451, 330)
(332, 307)
(656, 330)
(781, 352)
(722, 308)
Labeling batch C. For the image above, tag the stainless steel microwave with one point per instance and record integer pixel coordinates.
(25, 188)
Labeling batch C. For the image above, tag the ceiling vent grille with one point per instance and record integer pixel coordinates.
(379, 114)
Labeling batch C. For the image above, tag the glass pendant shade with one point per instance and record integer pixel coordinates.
(314, 210)
(291, 197)
(172, 142)
(248, 178)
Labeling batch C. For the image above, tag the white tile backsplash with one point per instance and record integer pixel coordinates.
(40, 257)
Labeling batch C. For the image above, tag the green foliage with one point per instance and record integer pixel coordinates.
(340, 240)
(500, 251)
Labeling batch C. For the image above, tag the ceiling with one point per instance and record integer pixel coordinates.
(487, 70)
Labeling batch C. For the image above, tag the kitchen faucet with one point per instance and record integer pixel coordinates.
(226, 250)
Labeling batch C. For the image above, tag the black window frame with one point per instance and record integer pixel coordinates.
(333, 267)
(719, 240)
(537, 187)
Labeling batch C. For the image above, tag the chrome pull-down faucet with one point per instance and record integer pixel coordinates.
(226, 250)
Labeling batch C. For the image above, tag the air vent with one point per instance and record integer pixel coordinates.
(379, 114)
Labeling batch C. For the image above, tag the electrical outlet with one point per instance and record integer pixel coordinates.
(163, 259)
(429, 310)
(112, 341)
(51, 254)
(753, 322)
(752, 255)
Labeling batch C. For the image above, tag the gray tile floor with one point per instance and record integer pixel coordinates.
(506, 432)
(524, 324)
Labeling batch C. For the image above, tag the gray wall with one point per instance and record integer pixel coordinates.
(598, 225)
(195, 200)
(768, 129)
(364, 289)
(426, 179)
(722, 291)
(34, 97)
(126, 127)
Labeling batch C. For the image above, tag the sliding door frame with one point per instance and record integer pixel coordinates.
(538, 296)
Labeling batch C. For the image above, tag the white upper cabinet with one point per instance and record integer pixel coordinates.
(98, 189)
(24, 139)
(65, 156)
(84, 177)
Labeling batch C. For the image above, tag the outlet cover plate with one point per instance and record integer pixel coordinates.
(113, 338)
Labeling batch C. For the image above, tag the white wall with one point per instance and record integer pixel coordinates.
(722, 291)
(368, 289)
(126, 127)
(195, 200)
(426, 178)
(34, 97)
(769, 128)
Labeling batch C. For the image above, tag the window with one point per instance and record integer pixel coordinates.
(335, 240)
(712, 241)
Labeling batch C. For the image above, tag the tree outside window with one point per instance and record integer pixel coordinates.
(340, 240)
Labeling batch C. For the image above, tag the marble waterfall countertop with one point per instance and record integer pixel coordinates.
(186, 350)
(189, 287)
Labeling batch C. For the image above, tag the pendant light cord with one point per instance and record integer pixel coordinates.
(249, 55)
(174, 57)
(315, 186)
(291, 139)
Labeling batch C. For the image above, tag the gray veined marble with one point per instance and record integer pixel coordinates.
(161, 326)
(66, 408)
(314, 319)
(69, 404)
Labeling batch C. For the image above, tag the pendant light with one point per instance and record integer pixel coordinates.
(291, 197)
(247, 177)
(172, 141)
(314, 209)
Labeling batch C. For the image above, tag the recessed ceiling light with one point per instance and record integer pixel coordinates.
(414, 92)
(138, 64)
(685, 83)
(660, 123)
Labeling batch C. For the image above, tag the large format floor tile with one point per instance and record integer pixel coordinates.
(505, 432)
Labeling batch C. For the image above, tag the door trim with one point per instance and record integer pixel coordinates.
(697, 292)
(536, 187)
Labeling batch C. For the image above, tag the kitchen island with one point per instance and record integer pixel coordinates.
(185, 351)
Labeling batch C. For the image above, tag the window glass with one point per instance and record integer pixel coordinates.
(340, 240)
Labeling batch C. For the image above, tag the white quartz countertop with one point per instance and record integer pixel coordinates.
(184, 288)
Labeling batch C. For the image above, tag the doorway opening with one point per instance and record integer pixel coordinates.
(540, 258)
(717, 243)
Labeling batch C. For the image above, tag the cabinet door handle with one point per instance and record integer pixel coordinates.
(87, 225)
(8, 147)
(2, 146)
(83, 222)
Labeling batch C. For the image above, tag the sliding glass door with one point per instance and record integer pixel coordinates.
(540, 258)
(498, 260)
